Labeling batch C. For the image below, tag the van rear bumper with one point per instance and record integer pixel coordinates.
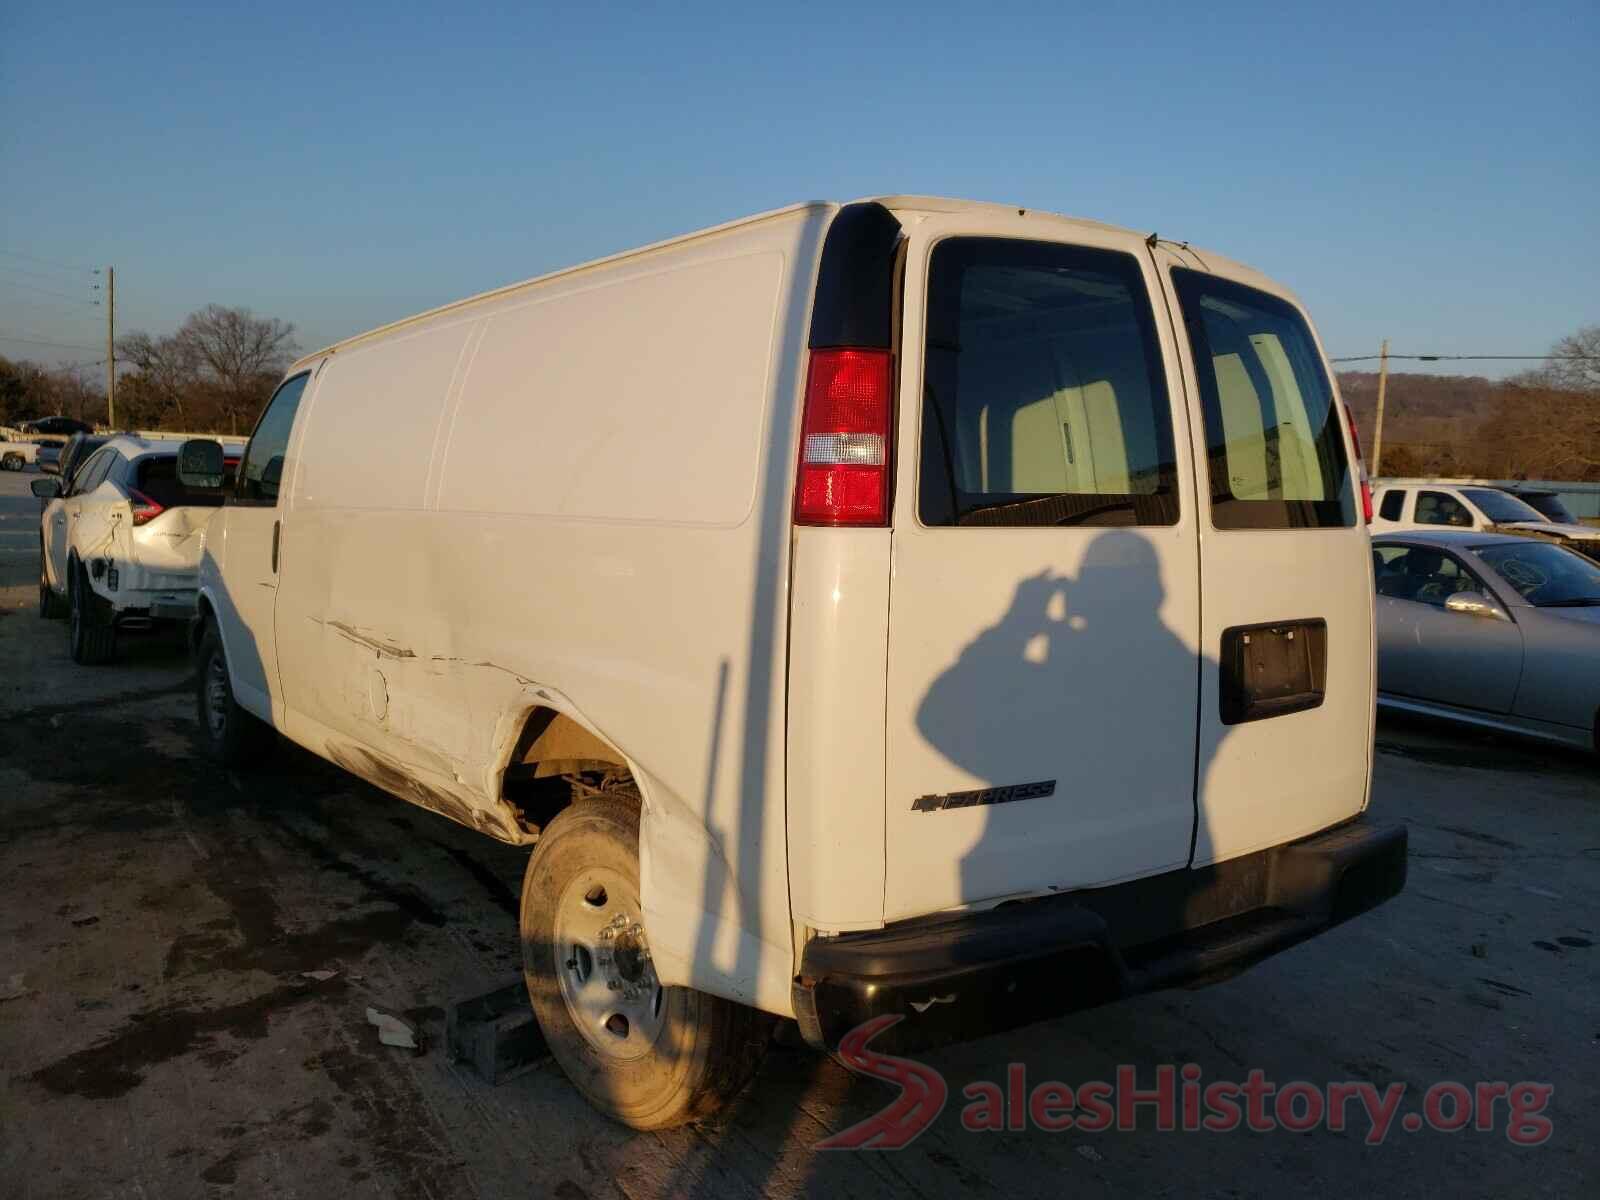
(958, 977)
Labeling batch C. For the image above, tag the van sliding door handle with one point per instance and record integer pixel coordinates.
(275, 526)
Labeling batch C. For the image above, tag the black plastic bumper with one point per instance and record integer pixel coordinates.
(962, 976)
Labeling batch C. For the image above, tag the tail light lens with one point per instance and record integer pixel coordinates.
(1361, 466)
(145, 509)
(845, 439)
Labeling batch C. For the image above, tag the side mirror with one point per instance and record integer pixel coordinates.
(200, 465)
(1476, 604)
(46, 489)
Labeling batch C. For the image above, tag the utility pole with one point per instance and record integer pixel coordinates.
(111, 347)
(1383, 386)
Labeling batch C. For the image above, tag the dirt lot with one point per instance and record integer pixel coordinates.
(158, 1037)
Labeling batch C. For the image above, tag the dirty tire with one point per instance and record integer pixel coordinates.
(51, 605)
(706, 1049)
(230, 735)
(90, 639)
(11, 462)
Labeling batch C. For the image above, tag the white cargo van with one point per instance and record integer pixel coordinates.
(910, 608)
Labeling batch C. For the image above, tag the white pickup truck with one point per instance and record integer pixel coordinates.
(912, 610)
(17, 453)
(1435, 504)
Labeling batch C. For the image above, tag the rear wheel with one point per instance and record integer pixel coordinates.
(91, 639)
(231, 736)
(646, 1055)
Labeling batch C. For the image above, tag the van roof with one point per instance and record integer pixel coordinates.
(902, 206)
(494, 293)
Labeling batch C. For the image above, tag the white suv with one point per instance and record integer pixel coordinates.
(1428, 504)
(120, 546)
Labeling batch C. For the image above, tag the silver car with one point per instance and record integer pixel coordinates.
(1494, 630)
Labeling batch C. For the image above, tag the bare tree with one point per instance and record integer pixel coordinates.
(167, 368)
(1575, 366)
(241, 353)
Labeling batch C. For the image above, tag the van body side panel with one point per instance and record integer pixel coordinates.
(837, 675)
(625, 400)
(1264, 782)
(366, 624)
(576, 495)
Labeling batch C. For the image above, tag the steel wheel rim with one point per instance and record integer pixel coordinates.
(216, 693)
(603, 965)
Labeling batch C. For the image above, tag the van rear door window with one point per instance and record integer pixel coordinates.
(1045, 398)
(1275, 451)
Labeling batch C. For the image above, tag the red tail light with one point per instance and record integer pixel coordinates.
(1361, 465)
(845, 439)
(144, 508)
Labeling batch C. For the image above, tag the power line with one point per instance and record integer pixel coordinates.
(33, 341)
(64, 304)
(12, 302)
(1475, 357)
(49, 262)
(54, 275)
(48, 292)
(48, 308)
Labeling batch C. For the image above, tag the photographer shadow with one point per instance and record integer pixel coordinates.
(1082, 685)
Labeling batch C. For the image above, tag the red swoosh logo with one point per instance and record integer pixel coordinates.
(922, 1092)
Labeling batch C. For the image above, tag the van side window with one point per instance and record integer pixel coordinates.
(1394, 503)
(1437, 508)
(1275, 450)
(261, 470)
(1045, 398)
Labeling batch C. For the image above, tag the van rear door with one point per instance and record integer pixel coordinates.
(1044, 652)
(1286, 683)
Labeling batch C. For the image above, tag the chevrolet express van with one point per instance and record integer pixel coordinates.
(912, 611)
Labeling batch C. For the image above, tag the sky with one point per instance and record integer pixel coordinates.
(1427, 173)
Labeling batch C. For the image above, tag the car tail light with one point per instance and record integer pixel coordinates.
(1361, 466)
(145, 509)
(845, 439)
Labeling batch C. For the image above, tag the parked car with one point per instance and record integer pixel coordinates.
(76, 452)
(1549, 504)
(119, 544)
(1495, 631)
(48, 457)
(59, 426)
(824, 597)
(1422, 504)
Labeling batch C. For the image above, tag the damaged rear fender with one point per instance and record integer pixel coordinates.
(689, 889)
